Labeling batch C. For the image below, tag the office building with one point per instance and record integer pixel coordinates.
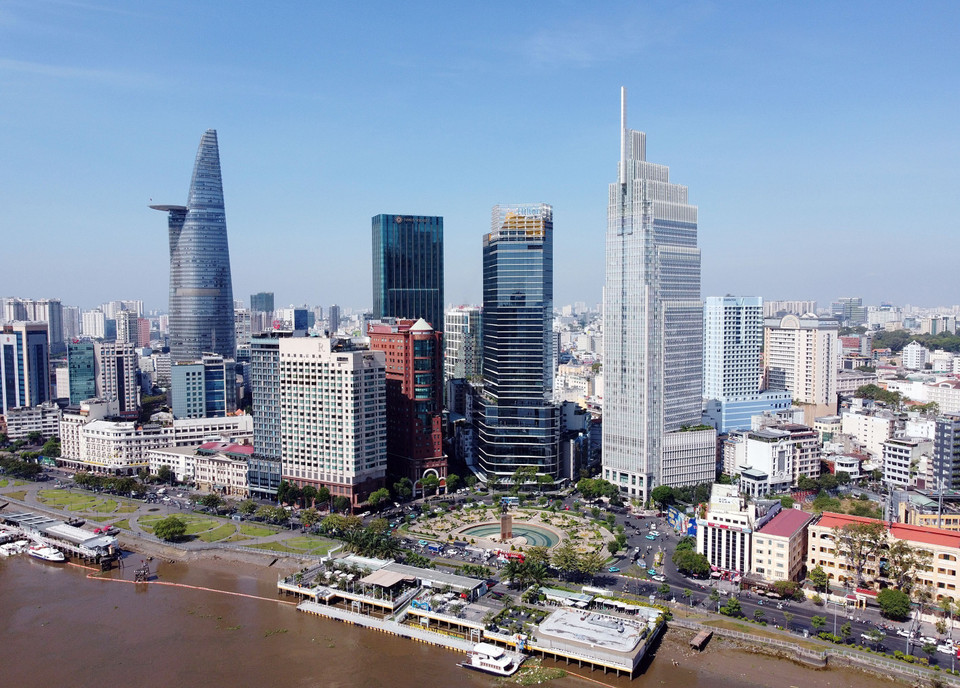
(724, 532)
(71, 323)
(652, 330)
(519, 426)
(262, 302)
(801, 355)
(127, 327)
(408, 268)
(24, 365)
(49, 311)
(243, 326)
(201, 290)
(81, 367)
(116, 374)
(333, 319)
(413, 355)
(333, 416)
(946, 453)
(206, 388)
(462, 341)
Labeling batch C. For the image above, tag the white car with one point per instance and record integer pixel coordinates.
(903, 633)
(946, 649)
(660, 578)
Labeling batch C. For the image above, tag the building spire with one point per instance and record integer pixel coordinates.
(623, 134)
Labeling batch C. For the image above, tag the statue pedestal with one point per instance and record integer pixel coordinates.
(506, 527)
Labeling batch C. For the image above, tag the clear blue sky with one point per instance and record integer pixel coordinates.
(820, 140)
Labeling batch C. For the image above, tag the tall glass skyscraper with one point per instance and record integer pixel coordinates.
(653, 329)
(518, 425)
(81, 367)
(201, 291)
(408, 268)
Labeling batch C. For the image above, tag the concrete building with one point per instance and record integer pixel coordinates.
(24, 420)
(946, 452)
(24, 365)
(801, 355)
(946, 394)
(778, 309)
(901, 459)
(914, 356)
(333, 415)
(780, 546)
(462, 340)
(871, 430)
(265, 470)
(724, 534)
(221, 467)
(93, 324)
(116, 366)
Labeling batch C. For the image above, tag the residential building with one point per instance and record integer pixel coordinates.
(828, 426)
(333, 319)
(242, 325)
(653, 328)
(206, 388)
(24, 365)
(93, 324)
(408, 268)
(901, 459)
(71, 323)
(81, 366)
(946, 453)
(778, 309)
(519, 425)
(265, 471)
(914, 356)
(940, 576)
(463, 343)
(849, 310)
(24, 420)
(413, 353)
(127, 327)
(870, 429)
(333, 415)
(116, 366)
(801, 356)
(780, 546)
(201, 290)
(946, 394)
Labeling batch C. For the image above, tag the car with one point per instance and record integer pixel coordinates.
(903, 632)
(927, 640)
(660, 578)
(613, 569)
(651, 572)
(946, 649)
(655, 533)
(636, 550)
(642, 564)
(566, 507)
(651, 537)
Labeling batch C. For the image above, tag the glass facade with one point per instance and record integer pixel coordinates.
(408, 268)
(81, 369)
(24, 365)
(262, 301)
(263, 475)
(518, 426)
(201, 290)
(653, 320)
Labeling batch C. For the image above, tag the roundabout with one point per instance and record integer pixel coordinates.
(523, 534)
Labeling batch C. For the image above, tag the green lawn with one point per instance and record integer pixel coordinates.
(17, 495)
(107, 506)
(219, 533)
(3, 482)
(277, 547)
(127, 509)
(123, 525)
(18, 483)
(256, 531)
(309, 543)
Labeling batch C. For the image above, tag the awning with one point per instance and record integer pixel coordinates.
(386, 579)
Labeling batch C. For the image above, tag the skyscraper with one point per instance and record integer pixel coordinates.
(462, 343)
(801, 357)
(518, 426)
(201, 291)
(653, 329)
(81, 367)
(262, 301)
(24, 365)
(333, 319)
(408, 268)
(115, 369)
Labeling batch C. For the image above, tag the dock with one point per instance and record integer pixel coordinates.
(701, 639)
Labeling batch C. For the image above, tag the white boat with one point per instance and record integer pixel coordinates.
(10, 548)
(492, 660)
(45, 552)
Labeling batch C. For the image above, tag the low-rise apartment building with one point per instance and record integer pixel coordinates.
(780, 546)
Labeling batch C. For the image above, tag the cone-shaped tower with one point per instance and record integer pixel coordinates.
(201, 291)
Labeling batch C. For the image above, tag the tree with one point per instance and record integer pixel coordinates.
(819, 578)
(732, 608)
(378, 497)
(341, 503)
(403, 488)
(787, 619)
(714, 595)
(211, 501)
(308, 495)
(523, 475)
(904, 562)
(686, 594)
(590, 563)
(537, 573)
(323, 495)
(165, 474)
(309, 517)
(929, 648)
(538, 554)
(493, 482)
(787, 502)
(804, 483)
(818, 622)
(843, 478)
(545, 483)
(846, 630)
(894, 604)
(662, 495)
(857, 543)
(828, 481)
(690, 562)
(874, 636)
(430, 483)
(170, 528)
(247, 507)
(453, 482)
(613, 546)
(758, 614)
(34, 437)
(664, 589)
(566, 558)
(51, 448)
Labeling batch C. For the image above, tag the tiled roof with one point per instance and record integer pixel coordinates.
(902, 531)
(786, 523)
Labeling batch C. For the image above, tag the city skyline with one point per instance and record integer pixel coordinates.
(826, 126)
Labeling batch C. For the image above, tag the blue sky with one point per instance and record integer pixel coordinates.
(819, 140)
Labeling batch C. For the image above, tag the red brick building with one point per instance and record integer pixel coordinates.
(414, 362)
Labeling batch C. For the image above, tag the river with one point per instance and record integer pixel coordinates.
(64, 625)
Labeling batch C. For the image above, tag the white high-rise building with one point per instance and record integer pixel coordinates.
(462, 353)
(802, 353)
(732, 341)
(93, 323)
(116, 365)
(333, 428)
(653, 329)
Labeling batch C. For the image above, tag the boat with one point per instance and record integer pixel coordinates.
(491, 659)
(9, 549)
(45, 552)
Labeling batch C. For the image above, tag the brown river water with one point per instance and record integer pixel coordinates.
(61, 626)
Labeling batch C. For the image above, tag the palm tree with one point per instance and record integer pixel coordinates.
(537, 573)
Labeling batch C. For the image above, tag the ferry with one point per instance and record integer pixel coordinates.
(492, 660)
(11, 548)
(45, 552)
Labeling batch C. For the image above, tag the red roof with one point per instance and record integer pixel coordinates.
(228, 448)
(901, 531)
(786, 523)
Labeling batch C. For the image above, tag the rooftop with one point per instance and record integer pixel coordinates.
(786, 523)
(901, 531)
